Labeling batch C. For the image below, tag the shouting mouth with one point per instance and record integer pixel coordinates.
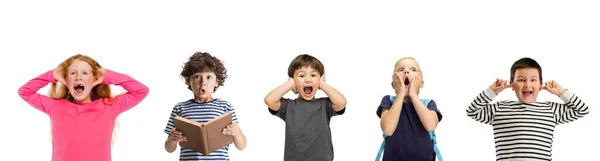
(308, 90)
(79, 88)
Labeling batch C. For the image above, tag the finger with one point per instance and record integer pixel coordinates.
(173, 130)
(545, 87)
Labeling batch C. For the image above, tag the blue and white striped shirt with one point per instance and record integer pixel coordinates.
(202, 112)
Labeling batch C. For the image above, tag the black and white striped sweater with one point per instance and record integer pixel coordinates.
(524, 131)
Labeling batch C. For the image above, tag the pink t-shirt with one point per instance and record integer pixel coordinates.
(83, 132)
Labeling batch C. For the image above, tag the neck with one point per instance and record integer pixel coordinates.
(201, 100)
(86, 100)
(312, 98)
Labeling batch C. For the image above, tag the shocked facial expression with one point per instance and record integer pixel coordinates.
(307, 81)
(203, 85)
(80, 81)
(408, 68)
(526, 84)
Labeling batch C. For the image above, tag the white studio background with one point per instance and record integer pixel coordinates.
(462, 46)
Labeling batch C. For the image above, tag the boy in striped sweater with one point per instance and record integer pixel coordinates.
(524, 129)
(203, 74)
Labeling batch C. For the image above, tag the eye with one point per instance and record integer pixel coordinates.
(196, 77)
(209, 77)
(399, 70)
(413, 69)
(534, 80)
(85, 73)
(520, 80)
(72, 73)
(313, 75)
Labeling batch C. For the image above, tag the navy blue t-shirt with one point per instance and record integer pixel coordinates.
(410, 141)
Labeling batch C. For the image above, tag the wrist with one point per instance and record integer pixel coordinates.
(415, 98)
(561, 92)
(401, 95)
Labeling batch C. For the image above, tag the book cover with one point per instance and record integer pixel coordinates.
(204, 138)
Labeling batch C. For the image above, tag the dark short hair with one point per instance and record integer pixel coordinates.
(525, 62)
(305, 60)
(204, 62)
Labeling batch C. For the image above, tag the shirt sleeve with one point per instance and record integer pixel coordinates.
(433, 106)
(28, 92)
(231, 110)
(385, 103)
(170, 124)
(136, 91)
(572, 109)
(481, 109)
(326, 102)
(282, 108)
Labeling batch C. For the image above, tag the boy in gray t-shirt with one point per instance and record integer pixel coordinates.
(307, 132)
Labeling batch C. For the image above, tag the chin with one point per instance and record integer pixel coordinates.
(311, 97)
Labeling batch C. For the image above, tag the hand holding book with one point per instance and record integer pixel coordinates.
(176, 136)
(232, 130)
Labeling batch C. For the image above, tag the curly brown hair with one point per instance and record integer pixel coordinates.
(204, 62)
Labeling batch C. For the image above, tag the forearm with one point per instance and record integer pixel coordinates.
(389, 118)
(28, 92)
(338, 100)
(170, 145)
(428, 117)
(135, 89)
(273, 98)
(240, 141)
(480, 109)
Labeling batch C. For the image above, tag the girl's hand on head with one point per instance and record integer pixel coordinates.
(233, 129)
(59, 75)
(99, 76)
(499, 85)
(554, 88)
(176, 136)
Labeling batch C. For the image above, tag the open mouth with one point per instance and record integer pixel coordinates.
(202, 91)
(308, 90)
(406, 81)
(527, 93)
(79, 88)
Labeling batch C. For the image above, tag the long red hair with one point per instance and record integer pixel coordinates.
(101, 91)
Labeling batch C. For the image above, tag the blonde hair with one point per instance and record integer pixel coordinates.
(101, 91)
(410, 58)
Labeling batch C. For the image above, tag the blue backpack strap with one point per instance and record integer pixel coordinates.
(378, 158)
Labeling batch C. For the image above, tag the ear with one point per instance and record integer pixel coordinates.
(511, 85)
(422, 83)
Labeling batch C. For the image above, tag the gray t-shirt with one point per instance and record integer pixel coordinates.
(307, 132)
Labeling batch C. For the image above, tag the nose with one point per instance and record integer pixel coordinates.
(202, 81)
(307, 80)
(527, 84)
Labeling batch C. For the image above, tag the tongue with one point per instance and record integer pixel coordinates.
(78, 90)
(307, 90)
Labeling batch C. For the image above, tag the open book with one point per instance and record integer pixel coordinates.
(204, 138)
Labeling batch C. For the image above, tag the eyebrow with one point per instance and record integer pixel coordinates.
(524, 77)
